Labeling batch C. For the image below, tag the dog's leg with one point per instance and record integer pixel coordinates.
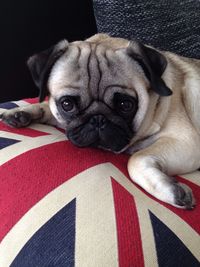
(23, 116)
(153, 167)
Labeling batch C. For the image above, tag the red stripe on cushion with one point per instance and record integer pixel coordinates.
(60, 129)
(27, 178)
(32, 100)
(128, 230)
(22, 131)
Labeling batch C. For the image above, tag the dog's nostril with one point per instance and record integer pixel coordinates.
(93, 121)
(98, 121)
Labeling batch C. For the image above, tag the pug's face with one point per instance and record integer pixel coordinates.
(99, 88)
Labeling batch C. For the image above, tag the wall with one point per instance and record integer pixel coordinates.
(29, 26)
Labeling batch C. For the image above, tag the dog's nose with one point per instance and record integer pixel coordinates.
(98, 121)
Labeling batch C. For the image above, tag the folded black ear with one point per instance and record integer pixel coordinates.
(153, 64)
(40, 66)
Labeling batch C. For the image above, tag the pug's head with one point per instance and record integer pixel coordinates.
(99, 88)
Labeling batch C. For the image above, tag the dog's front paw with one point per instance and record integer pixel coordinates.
(16, 118)
(183, 197)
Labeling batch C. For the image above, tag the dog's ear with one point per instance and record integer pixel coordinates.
(40, 66)
(153, 64)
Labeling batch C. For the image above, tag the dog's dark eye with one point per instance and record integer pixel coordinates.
(67, 104)
(125, 104)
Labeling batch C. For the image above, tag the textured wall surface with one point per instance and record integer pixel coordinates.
(169, 25)
(28, 27)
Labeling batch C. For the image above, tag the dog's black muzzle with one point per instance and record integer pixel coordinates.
(99, 131)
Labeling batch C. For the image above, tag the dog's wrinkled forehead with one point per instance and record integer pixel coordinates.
(96, 64)
(92, 67)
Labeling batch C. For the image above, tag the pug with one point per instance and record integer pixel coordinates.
(123, 96)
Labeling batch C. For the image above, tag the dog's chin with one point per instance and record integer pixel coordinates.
(102, 134)
(116, 143)
(115, 148)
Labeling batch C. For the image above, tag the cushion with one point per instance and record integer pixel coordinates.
(169, 25)
(66, 206)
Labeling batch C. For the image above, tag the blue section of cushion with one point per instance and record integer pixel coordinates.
(53, 244)
(8, 105)
(171, 252)
(4, 142)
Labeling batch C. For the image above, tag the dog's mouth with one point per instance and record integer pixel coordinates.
(101, 133)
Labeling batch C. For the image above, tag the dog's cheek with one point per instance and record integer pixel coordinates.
(82, 136)
(55, 112)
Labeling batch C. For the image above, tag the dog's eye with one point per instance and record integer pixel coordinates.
(125, 104)
(67, 104)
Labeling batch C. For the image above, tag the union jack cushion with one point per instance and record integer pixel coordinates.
(65, 206)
